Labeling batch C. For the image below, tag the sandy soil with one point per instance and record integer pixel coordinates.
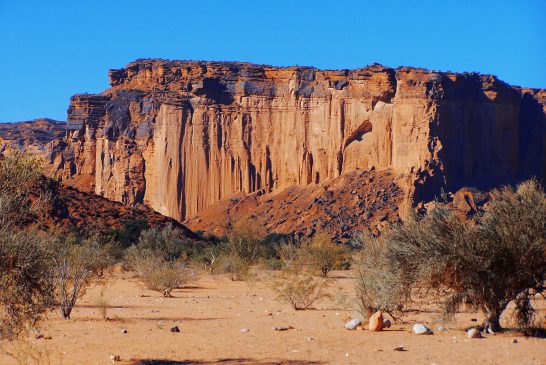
(212, 314)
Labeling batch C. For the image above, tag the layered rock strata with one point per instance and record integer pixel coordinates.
(181, 136)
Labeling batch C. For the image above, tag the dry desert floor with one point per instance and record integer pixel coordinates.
(224, 322)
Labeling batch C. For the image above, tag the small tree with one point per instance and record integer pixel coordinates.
(75, 266)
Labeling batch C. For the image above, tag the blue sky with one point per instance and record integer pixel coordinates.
(51, 50)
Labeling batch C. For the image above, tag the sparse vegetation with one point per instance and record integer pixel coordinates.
(300, 289)
(26, 280)
(322, 254)
(487, 265)
(75, 265)
(157, 273)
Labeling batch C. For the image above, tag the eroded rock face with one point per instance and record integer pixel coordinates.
(181, 136)
(31, 136)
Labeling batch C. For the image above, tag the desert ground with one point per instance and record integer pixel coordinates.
(225, 322)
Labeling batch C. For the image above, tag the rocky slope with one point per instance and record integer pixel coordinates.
(182, 136)
(358, 201)
(70, 209)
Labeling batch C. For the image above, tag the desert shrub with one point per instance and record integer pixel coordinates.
(322, 254)
(242, 249)
(157, 273)
(167, 242)
(25, 350)
(245, 240)
(76, 264)
(129, 233)
(21, 193)
(26, 280)
(378, 283)
(234, 267)
(300, 289)
(485, 265)
(102, 305)
(289, 254)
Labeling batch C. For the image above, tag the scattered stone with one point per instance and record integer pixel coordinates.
(38, 336)
(473, 320)
(375, 323)
(244, 330)
(441, 328)
(399, 348)
(353, 323)
(124, 330)
(175, 329)
(115, 358)
(515, 340)
(47, 337)
(387, 323)
(421, 329)
(474, 333)
(310, 339)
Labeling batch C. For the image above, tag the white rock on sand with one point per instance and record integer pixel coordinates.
(421, 329)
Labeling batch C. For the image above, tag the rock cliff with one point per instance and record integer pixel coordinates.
(181, 136)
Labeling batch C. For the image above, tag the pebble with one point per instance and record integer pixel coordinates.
(115, 358)
(175, 329)
(353, 323)
(514, 340)
(387, 323)
(244, 330)
(399, 348)
(421, 329)
(474, 333)
(124, 330)
(441, 328)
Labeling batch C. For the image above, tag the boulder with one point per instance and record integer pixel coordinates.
(353, 323)
(474, 333)
(421, 329)
(375, 322)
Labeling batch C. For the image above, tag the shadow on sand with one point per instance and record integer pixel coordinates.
(239, 361)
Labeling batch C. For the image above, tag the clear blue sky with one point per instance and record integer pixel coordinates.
(51, 49)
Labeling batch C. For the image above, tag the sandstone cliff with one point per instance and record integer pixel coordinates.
(181, 136)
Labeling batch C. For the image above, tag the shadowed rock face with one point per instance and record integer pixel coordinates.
(181, 136)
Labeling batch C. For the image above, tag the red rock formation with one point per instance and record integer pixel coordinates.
(181, 136)
(32, 136)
